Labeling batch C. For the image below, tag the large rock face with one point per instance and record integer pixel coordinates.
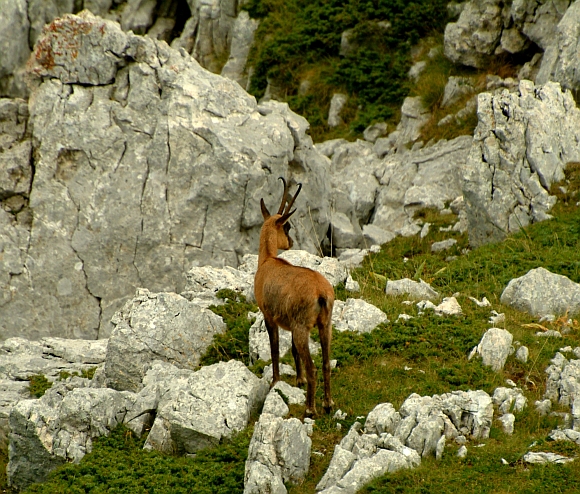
(522, 144)
(561, 61)
(145, 164)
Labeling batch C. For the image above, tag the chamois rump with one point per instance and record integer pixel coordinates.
(295, 299)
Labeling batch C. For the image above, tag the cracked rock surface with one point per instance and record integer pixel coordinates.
(145, 164)
(160, 326)
(521, 146)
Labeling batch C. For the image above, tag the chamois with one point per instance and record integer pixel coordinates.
(294, 298)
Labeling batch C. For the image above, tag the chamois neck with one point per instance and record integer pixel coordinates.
(268, 245)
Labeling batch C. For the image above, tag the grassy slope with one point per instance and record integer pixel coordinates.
(299, 40)
(371, 370)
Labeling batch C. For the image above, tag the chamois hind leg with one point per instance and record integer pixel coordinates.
(273, 335)
(325, 331)
(300, 377)
(300, 339)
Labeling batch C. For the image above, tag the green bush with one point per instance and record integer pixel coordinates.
(118, 464)
(296, 34)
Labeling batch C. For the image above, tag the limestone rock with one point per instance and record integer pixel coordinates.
(162, 326)
(360, 458)
(521, 145)
(494, 347)
(427, 178)
(413, 116)
(542, 457)
(413, 289)
(207, 34)
(356, 315)
(198, 409)
(242, 38)
(353, 178)
(509, 400)
(522, 354)
(443, 245)
(540, 292)
(60, 427)
(455, 89)
(563, 386)
(203, 282)
(14, 46)
(507, 422)
(382, 418)
(474, 37)
(279, 452)
(344, 233)
(336, 104)
(152, 186)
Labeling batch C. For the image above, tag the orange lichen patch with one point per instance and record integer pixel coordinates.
(62, 38)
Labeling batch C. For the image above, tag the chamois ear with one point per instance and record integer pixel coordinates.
(283, 219)
(265, 212)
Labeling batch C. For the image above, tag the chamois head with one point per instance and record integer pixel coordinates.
(279, 221)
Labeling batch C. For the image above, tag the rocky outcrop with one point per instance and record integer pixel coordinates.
(563, 382)
(197, 409)
(242, 37)
(540, 292)
(491, 27)
(208, 32)
(279, 452)
(157, 326)
(427, 178)
(185, 411)
(521, 146)
(561, 60)
(394, 440)
(60, 427)
(167, 173)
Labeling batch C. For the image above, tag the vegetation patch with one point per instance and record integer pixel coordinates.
(38, 385)
(118, 463)
(297, 50)
(235, 342)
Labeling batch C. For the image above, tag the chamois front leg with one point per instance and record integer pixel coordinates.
(300, 378)
(300, 339)
(273, 335)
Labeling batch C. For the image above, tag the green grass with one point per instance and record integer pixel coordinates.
(235, 342)
(300, 40)
(425, 355)
(119, 464)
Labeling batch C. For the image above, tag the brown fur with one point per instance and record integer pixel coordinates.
(295, 299)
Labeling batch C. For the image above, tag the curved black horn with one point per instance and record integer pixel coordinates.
(291, 203)
(284, 196)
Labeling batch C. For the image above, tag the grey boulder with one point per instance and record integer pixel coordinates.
(279, 452)
(540, 292)
(494, 348)
(356, 315)
(160, 326)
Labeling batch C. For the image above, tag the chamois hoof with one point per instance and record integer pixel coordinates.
(300, 383)
(309, 413)
(328, 408)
